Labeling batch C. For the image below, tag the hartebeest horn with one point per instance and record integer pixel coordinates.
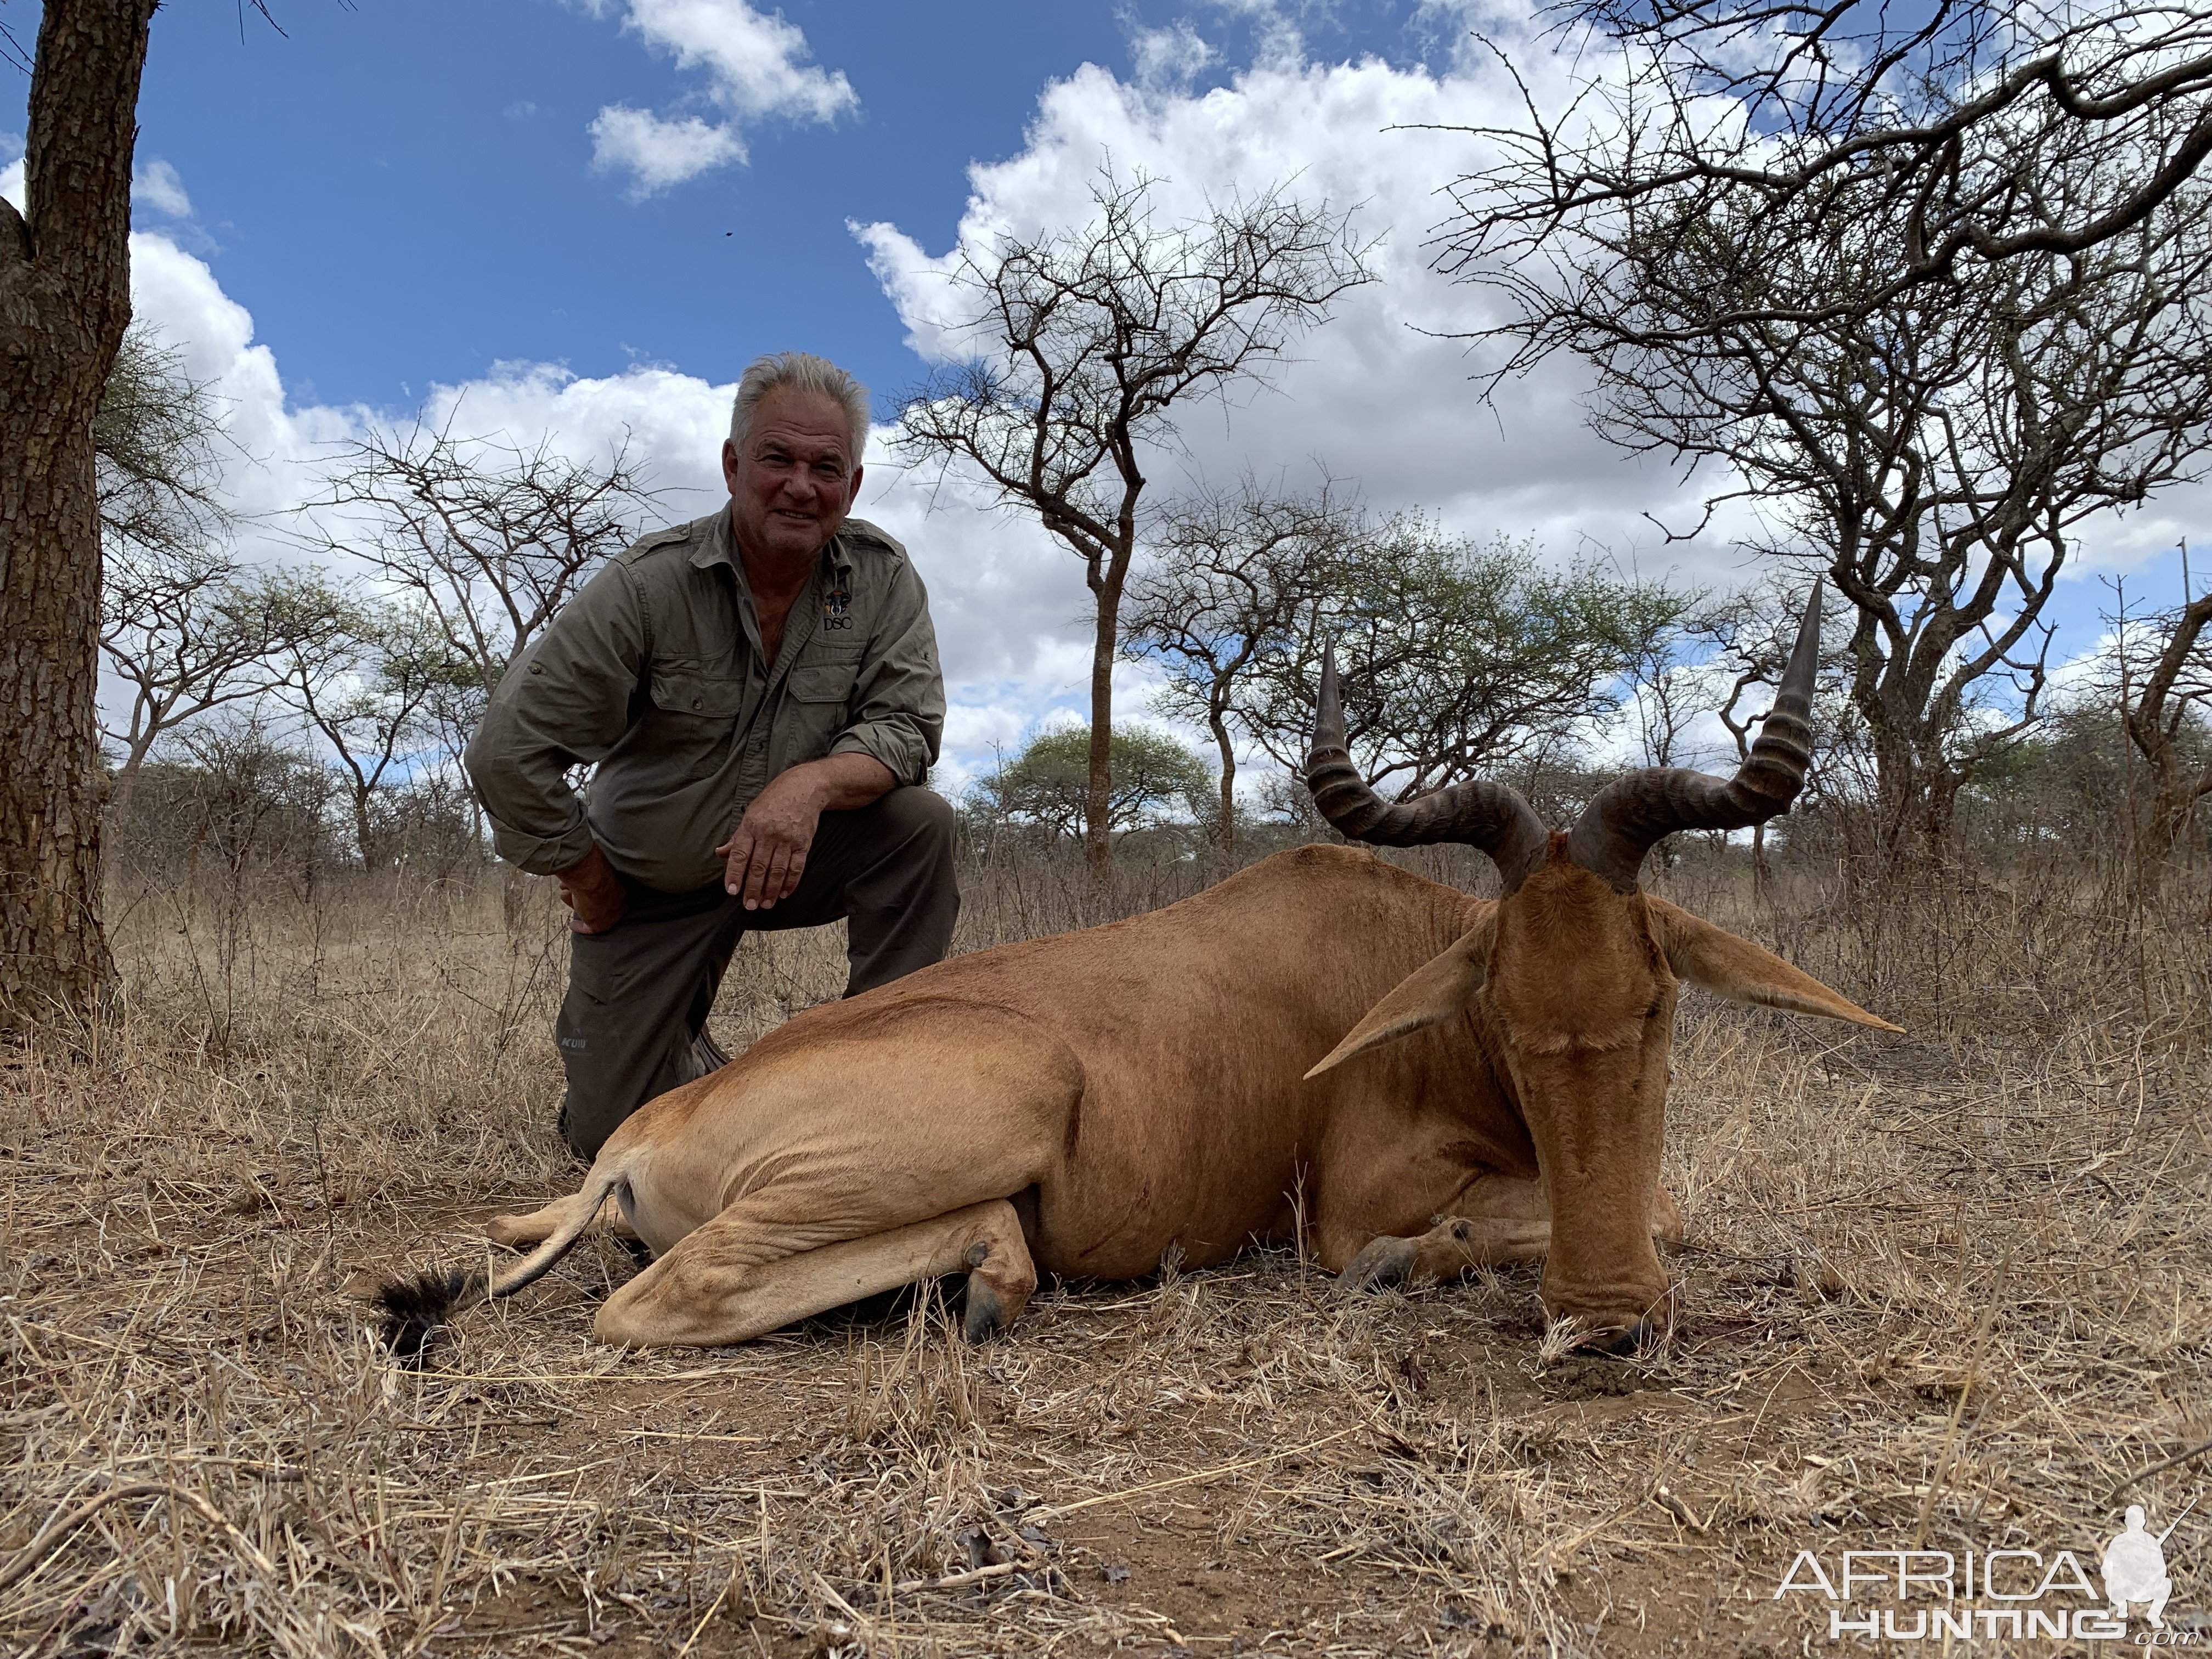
(1627, 818)
(1478, 813)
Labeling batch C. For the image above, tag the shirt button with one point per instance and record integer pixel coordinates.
(697, 701)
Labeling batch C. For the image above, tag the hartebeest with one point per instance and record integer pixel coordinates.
(1082, 1103)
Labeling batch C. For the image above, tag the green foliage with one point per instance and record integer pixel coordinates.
(157, 435)
(1156, 781)
(1460, 656)
(2073, 778)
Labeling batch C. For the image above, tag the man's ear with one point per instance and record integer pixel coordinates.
(1432, 993)
(1739, 971)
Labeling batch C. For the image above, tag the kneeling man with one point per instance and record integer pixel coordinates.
(759, 693)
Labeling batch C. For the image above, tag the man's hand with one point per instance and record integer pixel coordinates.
(766, 855)
(591, 889)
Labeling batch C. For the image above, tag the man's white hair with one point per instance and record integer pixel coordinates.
(801, 371)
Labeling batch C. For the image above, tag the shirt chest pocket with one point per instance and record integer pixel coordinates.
(817, 683)
(687, 694)
(815, 699)
(693, 722)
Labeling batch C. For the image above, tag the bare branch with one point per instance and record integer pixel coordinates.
(1936, 445)
(491, 536)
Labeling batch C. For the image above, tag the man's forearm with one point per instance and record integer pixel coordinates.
(590, 888)
(842, 782)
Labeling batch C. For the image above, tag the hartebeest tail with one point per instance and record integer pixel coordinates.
(415, 1306)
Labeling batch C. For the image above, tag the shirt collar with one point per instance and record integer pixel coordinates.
(717, 547)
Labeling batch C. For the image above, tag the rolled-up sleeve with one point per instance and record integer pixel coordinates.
(563, 703)
(898, 700)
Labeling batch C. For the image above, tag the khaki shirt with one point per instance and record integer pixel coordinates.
(655, 675)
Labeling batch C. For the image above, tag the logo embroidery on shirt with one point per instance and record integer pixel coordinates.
(834, 603)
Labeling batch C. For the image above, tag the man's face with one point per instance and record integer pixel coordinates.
(796, 480)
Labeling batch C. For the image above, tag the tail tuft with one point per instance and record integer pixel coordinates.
(414, 1308)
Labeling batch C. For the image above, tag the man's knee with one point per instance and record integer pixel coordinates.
(920, 817)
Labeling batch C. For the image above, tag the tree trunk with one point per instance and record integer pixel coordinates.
(1940, 782)
(64, 302)
(1227, 838)
(1897, 791)
(1916, 786)
(1098, 803)
(2175, 786)
(364, 833)
(2175, 794)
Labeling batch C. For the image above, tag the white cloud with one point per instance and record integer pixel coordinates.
(1377, 395)
(1278, 41)
(757, 63)
(659, 154)
(756, 68)
(1168, 58)
(11, 183)
(155, 184)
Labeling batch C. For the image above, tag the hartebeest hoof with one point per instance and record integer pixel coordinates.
(983, 1314)
(1384, 1262)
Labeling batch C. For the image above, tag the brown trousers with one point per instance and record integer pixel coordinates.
(633, 1023)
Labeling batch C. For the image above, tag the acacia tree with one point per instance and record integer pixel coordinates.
(1455, 657)
(183, 624)
(378, 705)
(158, 438)
(1086, 338)
(1229, 577)
(1937, 444)
(1048, 784)
(64, 303)
(491, 538)
(190, 629)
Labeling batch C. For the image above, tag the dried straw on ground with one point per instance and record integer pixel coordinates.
(1950, 1287)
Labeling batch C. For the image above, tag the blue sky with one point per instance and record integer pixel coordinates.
(401, 191)
(537, 210)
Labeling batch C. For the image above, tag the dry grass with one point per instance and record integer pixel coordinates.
(1951, 1287)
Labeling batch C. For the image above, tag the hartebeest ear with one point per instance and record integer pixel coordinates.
(1439, 988)
(1739, 971)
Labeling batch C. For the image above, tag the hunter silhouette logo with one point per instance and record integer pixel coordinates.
(2135, 1567)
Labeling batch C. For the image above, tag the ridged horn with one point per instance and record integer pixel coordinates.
(1478, 813)
(1629, 817)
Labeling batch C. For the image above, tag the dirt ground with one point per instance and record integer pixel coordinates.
(1945, 1291)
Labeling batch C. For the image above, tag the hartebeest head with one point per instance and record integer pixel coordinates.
(1572, 979)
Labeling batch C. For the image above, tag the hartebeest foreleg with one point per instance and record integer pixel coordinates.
(1496, 1220)
(711, 1289)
